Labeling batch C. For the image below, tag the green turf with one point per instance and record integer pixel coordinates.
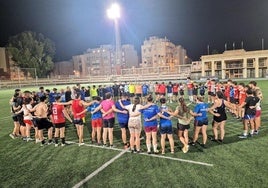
(236, 163)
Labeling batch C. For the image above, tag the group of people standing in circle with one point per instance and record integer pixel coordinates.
(150, 113)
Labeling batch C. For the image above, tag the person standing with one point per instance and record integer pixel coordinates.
(58, 118)
(41, 113)
(123, 118)
(219, 116)
(165, 126)
(182, 112)
(150, 115)
(201, 120)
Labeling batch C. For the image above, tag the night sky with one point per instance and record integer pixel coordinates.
(75, 25)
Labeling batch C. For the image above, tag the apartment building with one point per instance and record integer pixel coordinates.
(161, 52)
(101, 61)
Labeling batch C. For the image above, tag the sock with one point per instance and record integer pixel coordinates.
(251, 131)
(155, 147)
(149, 147)
(56, 140)
(63, 140)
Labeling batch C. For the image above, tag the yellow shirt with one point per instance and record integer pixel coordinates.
(131, 88)
(93, 92)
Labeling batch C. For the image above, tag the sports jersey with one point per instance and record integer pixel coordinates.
(201, 108)
(162, 89)
(165, 122)
(169, 88)
(106, 106)
(149, 113)
(57, 114)
(175, 87)
(131, 88)
(251, 101)
(138, 89)
(97, 114)
(145, 89)
(76, 108)
(94, 92)
(121, 117)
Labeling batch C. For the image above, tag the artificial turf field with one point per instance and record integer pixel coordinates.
(235, 163)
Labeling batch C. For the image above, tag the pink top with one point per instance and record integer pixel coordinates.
(106, 106)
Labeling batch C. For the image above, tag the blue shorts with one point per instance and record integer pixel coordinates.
(166, 130)
(200, 123)
(247, 116)
(123, 125)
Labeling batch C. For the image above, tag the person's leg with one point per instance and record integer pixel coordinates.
(132, 140)
(196, 133)
(62, 135)
(215, 129)
(93, 134)
(111, 136)
(99, 135)
(222, 130)
(56, 136)
(154, 137)
(148, 141)
(204, 133)
(163, 142)
(137, 141)
(171, 142)
(104, 135)
(124, 135)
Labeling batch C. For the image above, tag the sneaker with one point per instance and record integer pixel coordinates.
(112, 146)
(242, 136)
(214, 140)
(256, 132)
(156, 151)
(149, 152)
(49, 143)
(62, 144)
(138, 151)
(172, 152)
(192, 143)
(12, 136)
(81, 144)
(29, 139)
(37, 141)
(104, 145)
(56, 145)
(163, 152)
(220, 141)
(24, 139)
(203, 145)
(126, 146)
(43, 144)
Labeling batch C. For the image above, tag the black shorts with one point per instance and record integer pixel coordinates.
(59, 125)
(43, 123)
(138, 95)
(175, 93)
(181, 92)
(182, 127)
(166, 130)
(78, 122)
(108, 123)
(18, 118)
(200, 123)
(34, 122)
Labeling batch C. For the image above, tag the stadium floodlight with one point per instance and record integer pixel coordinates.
(114, 13)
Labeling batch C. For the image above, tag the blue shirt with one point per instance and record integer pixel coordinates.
(165, 122)
(201, 108)
(52, 96)
(91, 108)
(145, 89)
(122, 118)
(169, 88)
(149, 113)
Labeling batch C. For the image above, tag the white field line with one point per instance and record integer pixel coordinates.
(150, 155)
(99, 170)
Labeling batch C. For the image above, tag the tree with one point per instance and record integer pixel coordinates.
(31, 50)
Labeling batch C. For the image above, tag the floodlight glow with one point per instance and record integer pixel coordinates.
(114, 11)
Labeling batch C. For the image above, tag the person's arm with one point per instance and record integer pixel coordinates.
(67, 115)
(117, 110)
(152, 118)
(84, 111)
(146, 106)
(64, 103)
(86, 104)
(162, 116)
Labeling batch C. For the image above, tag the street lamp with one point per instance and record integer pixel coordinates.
(114, 13)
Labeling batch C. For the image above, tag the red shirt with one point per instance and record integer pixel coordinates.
(175, 88)
(236, 92)
(77, 108)
(190, 85)
(57, 114)
(162, 88)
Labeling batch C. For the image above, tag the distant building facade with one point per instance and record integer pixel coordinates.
(63, 68)
(235, 64)
(101, 61)
(161, 52)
